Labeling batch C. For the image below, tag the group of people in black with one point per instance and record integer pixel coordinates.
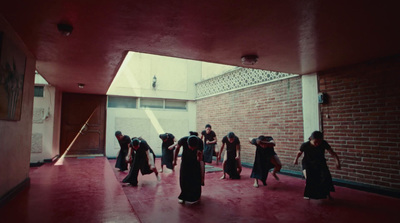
(196, 151)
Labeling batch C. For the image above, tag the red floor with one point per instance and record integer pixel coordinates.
(79, 190)
(86, 190)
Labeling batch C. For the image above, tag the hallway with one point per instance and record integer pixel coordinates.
(87, 189)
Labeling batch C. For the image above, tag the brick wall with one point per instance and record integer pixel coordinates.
(362, 121)
(273, 109)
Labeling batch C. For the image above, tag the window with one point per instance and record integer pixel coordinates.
(121, 102)
(130, 102)
(151, 103)
(39, 91)
(175, 104)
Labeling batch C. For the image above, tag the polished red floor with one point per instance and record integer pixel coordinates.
(77, 190)
(89, 190)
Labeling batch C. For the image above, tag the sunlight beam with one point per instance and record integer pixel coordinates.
(154, 121)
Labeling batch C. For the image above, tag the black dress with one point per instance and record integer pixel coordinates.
(262, 161)
(140, 162)
(121, 163)
(209, 149)
(319, 180)
(167, 154)
(231, 164)
(190, 172)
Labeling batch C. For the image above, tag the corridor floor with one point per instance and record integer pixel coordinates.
(89, 190)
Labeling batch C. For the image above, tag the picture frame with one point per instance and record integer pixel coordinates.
(12, 74)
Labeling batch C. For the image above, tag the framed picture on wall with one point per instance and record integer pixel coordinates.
(12, 72)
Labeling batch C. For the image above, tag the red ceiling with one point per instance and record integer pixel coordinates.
(291, 36)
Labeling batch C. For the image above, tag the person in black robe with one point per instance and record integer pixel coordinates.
(210, 140)
(167, 156)
(123, 141)
(190, 178)
(143, 160)
(318, 177)
(231, 164)
(265, 159)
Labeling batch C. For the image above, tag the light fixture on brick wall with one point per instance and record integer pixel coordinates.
(323, 98)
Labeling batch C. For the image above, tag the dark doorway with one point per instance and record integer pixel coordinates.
(83, 121)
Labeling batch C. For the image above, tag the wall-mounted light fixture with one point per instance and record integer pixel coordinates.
(323, 98)
(80, 85)
(154, 84)
(65, 28)
(249, 59)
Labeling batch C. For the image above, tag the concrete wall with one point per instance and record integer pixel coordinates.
(176, 79)
(15, 136)
(148, 123)
(45, 129)
(210, 70)
(311, 113)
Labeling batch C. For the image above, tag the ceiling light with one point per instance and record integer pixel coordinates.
(249, 59)
(65, 28)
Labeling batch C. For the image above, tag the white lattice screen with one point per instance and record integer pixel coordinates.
(238, 79)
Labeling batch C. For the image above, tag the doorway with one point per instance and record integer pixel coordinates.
(83, 121)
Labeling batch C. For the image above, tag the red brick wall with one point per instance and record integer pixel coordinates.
(273, 109)
(362, 121)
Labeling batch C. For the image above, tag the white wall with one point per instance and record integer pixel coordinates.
(176, 79)
(210, 70)
(43, 126)
(148, 123)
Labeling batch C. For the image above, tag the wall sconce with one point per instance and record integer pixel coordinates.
(249, 59)
(323, 98)
(80, 85)
(154, 84)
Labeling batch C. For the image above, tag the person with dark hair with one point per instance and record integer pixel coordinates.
(173, 146)
(192, 133)
(318, 177)
(210, 139)
(167, 154)
(231, 164)
(144, 160)
(123, 141)
(265, 159)
(191, 172)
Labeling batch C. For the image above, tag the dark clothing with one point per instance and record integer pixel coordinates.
(208, 137)
(209, 149)
(167, 154)
(140, 162)
(190, 172)
(319, 180)
(231, 164)
(262, 161)
(121, 162)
